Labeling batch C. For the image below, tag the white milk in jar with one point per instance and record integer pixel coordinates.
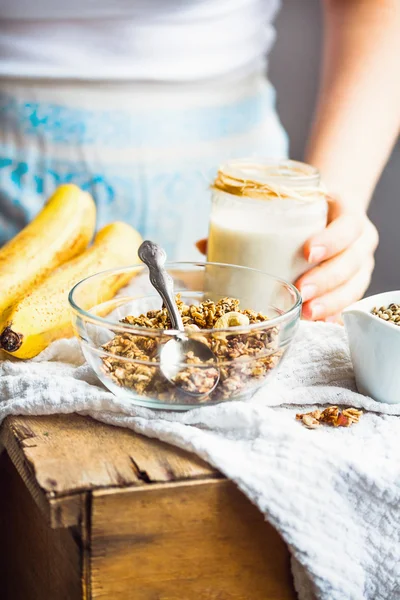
(262, 214)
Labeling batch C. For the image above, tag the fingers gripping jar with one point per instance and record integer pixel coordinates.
(263, 212)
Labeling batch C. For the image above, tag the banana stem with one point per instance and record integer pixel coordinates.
(10, 341)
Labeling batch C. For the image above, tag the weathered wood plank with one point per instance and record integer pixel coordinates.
(36, 562)
(14, 449)
(181, 541)
(72, 453)
(67, 511)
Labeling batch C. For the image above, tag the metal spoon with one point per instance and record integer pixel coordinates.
(173, 354)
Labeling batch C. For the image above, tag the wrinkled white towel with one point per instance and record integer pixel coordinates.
(333, 494)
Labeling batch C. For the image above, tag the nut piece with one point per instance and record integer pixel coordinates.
(192, 329)
(232, 319)
(310, 421)
(352, 414)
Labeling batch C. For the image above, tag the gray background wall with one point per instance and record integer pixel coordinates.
(294, 70)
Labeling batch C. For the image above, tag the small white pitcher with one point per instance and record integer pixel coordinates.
(375, 348)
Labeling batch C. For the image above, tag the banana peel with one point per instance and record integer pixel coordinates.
(44, 315)
(62, 230)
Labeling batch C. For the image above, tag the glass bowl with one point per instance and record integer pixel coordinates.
(125, 355)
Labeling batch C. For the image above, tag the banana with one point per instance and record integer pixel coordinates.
(44, 315)
(62, 229)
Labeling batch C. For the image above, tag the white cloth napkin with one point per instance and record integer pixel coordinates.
(332, 493)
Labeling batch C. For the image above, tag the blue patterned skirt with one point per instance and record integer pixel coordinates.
(147, 152)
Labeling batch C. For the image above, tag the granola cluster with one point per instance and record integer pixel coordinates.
(330, 416)
(244, 358)
(196, 379)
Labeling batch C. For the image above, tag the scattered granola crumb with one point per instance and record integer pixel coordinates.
(310, 421)
(330, 416)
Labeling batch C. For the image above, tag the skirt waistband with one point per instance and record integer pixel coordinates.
(133, 115)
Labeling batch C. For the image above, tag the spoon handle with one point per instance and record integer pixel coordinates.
(154, 257)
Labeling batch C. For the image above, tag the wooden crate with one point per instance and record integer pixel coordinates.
(89, 511)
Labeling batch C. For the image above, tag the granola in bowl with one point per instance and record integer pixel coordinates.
(246, 317)
(245, 355)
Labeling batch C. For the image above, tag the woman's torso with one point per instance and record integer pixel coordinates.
(152, 40)
(147, 150)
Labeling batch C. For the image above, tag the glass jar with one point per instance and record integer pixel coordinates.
(263, 212)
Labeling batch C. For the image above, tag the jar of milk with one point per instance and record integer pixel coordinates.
(263, 212)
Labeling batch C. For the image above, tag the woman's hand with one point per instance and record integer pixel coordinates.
(346, 247)
(354, 128)
(345, 253)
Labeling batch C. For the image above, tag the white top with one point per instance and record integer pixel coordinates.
(153, 40)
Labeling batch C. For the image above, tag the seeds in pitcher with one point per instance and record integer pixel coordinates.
(389, 313)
